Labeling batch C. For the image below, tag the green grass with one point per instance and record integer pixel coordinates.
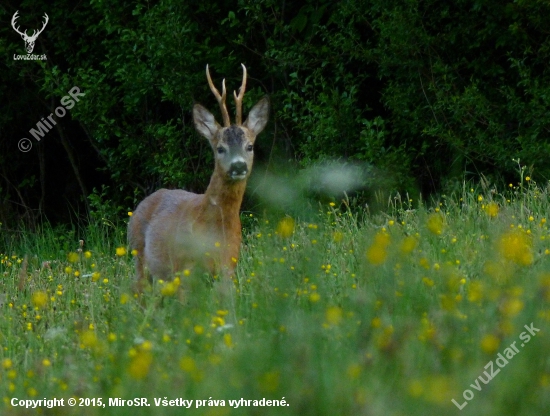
(390, 314)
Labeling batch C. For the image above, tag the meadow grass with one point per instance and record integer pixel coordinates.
(396, 313)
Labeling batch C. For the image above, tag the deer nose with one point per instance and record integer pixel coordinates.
(238, 169)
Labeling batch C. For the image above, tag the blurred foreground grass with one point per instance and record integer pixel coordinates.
(397, 313)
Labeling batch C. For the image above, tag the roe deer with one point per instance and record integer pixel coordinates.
(173, 230)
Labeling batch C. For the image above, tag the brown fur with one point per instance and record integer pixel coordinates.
(173, 230)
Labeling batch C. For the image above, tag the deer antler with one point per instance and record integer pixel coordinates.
(13, 19)
(220, 98)
(239, 99)
(35, 32)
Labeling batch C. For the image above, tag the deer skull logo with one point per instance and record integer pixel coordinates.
(29, 40)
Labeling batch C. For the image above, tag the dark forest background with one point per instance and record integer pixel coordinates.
(428, 92)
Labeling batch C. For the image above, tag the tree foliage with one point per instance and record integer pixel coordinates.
(423, 90)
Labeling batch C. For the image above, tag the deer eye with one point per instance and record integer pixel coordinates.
(249, 148)
(220, 150)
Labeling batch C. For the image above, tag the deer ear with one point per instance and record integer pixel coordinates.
(205, 123)
(258, 116)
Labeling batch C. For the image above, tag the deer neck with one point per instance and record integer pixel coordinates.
(224, 197)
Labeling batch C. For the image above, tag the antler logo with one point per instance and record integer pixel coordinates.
(29, 40)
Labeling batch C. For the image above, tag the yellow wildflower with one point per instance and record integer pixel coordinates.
(88, 339)
(435, 223)
(408, 244)
(475, 291)
(187, 364)
(492, 209)
(337, 236)
(427, 281)
(39, 299)
(169, 289)
(511, 307)
(227, 340)
(314, 297)
(285, 228)
(516, 246)
(140, 364)
(124, 298)
(72, 257)
(490, 344)
(333, 315)
(377, 252)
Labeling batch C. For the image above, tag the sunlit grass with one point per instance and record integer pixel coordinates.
(389, 314)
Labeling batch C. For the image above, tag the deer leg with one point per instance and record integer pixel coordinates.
(140, 280)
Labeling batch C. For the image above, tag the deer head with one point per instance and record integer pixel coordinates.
(29, 40)
(233, 145)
